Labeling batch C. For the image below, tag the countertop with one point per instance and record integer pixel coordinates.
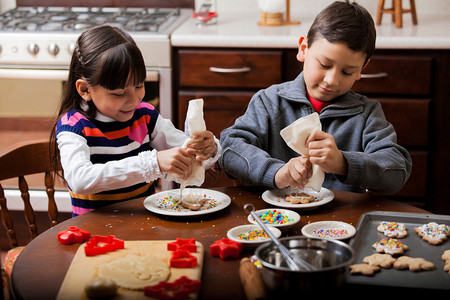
(239, 28)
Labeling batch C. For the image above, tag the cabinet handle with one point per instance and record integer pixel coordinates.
(225, 70)
(377, 75)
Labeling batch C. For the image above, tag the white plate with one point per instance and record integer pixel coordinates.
(292, 215)
(329, 230)
(277, 197)
(161, 203)
(233, 234)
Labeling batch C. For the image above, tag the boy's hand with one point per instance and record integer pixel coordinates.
(176, 161)
(202, 145)
(294, 173)
(324, 152)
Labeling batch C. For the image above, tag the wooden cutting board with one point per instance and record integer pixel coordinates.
(83, 268)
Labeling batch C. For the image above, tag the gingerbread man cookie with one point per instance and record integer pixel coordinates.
(302, 198)
(392, 229)
(364, 269)
(382, 260)
(446, 258)
(415, 264)
(192, 202)
(390, 246)
(433, 232)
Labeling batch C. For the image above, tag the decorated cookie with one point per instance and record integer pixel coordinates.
(364, 269)
(382, 260)
(301, 198)
(392, 229)
(191, 201)
(413, 264)
(390, 246)
(433, 233)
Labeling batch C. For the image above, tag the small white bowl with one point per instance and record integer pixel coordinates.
(295, 217)
(233, 234)
(333, 230)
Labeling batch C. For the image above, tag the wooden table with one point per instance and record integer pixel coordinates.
(40, 269)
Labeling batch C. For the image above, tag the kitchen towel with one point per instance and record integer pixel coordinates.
(295, 136)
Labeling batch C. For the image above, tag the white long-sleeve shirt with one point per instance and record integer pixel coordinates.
(84, 177)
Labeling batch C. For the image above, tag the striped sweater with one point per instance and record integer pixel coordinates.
(110, 141)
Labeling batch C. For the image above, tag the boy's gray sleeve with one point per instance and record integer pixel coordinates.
(245, 147)
(384, 166)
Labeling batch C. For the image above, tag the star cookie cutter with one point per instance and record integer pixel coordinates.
(182, 244)
(102, 244)
(182, 259)
(225, 248)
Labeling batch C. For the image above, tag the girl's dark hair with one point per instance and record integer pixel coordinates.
(106, 56)
(345, 22)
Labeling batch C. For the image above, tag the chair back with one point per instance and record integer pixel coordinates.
(32, 157)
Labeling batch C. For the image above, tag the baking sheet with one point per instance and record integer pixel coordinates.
(367, 234)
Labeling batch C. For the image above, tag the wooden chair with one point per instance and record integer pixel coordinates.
(16, 162)
(397, 12)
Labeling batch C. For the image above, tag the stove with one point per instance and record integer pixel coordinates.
(45, 36)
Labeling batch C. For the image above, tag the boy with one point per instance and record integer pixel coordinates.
(357, 148)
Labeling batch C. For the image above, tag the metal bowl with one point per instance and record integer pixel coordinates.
(331, 259)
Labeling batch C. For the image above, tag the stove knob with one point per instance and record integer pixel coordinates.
(0, 49)
(33, 49)
(71, 48)
(53, 49)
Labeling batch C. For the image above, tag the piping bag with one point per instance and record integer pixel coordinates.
(193, 124)
(295, 136)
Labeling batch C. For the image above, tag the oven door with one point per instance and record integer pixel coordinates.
(35, 93)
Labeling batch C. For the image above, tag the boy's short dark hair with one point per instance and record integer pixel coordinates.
(345, 22)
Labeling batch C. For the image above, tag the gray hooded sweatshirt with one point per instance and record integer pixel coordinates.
(253, 149)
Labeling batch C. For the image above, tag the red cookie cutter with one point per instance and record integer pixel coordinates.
(225, 248)
(179, 289)
(73, 235)
(101, 244)
(182, 244)
(182, 259)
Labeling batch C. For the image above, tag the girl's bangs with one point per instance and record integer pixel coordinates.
(122, 66)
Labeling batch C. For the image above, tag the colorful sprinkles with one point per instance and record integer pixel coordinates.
(252, 235)
(172, 204)
(274, 217)
(393, 228)
(435, 230)
(329, 233)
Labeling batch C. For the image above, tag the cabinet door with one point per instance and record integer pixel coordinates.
(416, 186)
(410, 118)
(221, 108)
(396, 75)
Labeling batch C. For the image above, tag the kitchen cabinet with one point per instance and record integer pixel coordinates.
(410, 85)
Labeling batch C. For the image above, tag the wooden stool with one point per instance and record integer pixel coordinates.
(396, 12)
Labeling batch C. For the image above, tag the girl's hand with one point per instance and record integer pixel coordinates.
(294, 173)
(176, 161)
(202, 145)
(324, 152)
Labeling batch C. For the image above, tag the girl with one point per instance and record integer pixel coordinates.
(112, 145)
